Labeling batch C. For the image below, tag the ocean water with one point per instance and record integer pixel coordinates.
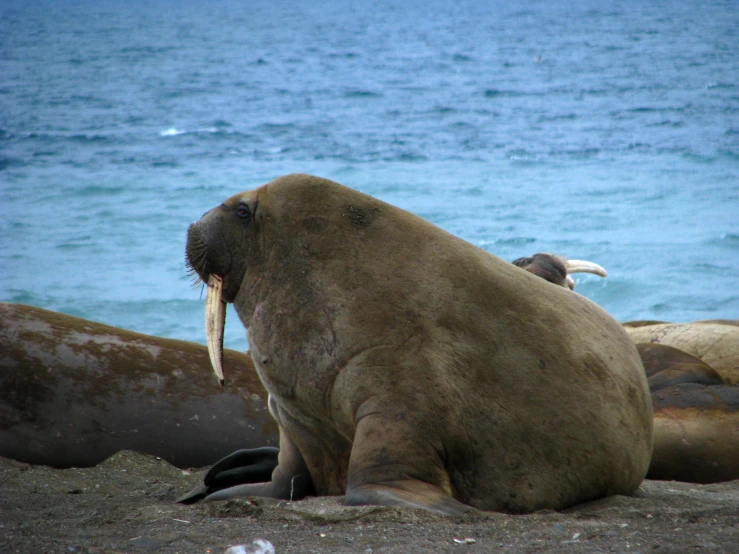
(601, 132)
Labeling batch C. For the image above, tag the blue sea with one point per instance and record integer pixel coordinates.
(600, 131)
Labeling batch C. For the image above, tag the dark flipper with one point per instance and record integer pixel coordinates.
(254, 465)
(290, 479)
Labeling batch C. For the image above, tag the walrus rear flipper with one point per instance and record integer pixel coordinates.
(291, 479)
(253, 465)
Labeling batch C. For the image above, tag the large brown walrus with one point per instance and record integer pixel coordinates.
(73, 392)
(407, 367)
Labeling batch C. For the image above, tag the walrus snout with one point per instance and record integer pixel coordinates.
(196, 252)
(211, 242)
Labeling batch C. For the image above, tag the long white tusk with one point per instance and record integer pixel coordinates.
(215, 322)
(583, 266)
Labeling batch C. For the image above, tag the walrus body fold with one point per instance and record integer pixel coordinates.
(408, 367)
(714, 342)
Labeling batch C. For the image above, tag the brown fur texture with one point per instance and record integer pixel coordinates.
(74, 392)
(408, 367)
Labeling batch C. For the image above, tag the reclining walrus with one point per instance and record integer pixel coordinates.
(407, 367)
(693, 372)
(74, 392)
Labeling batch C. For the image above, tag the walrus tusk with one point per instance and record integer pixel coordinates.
(583, 266)
(215, 321)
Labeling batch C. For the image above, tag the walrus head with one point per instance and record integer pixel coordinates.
(210, 244)
(557, 269)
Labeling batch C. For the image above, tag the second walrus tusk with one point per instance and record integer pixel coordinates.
(582, 266)
(215, 322)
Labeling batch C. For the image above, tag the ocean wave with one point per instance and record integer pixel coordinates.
(711, 86)
(522, 156)
(7, 163)
(173, 131)
(362, 94)
(512, 241)
(726, 240)
(496, 93)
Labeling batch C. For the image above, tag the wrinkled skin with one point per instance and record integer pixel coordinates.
(407, 367)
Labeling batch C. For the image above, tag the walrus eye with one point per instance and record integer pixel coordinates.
(243, 211)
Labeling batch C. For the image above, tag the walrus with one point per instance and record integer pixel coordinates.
(696, 433)
(715, 342)
(557, 269)
(695, 440)
(696, 418)
(408, 367)
(74, 392)
(696, 409)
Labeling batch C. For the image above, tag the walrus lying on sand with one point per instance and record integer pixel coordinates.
(716, 342)
(74, 392)
(407, 367)
(693, 371)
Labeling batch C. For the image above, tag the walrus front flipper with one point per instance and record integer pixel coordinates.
(291, 479)
(408, 493)
(403, 469)
(253, 465)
